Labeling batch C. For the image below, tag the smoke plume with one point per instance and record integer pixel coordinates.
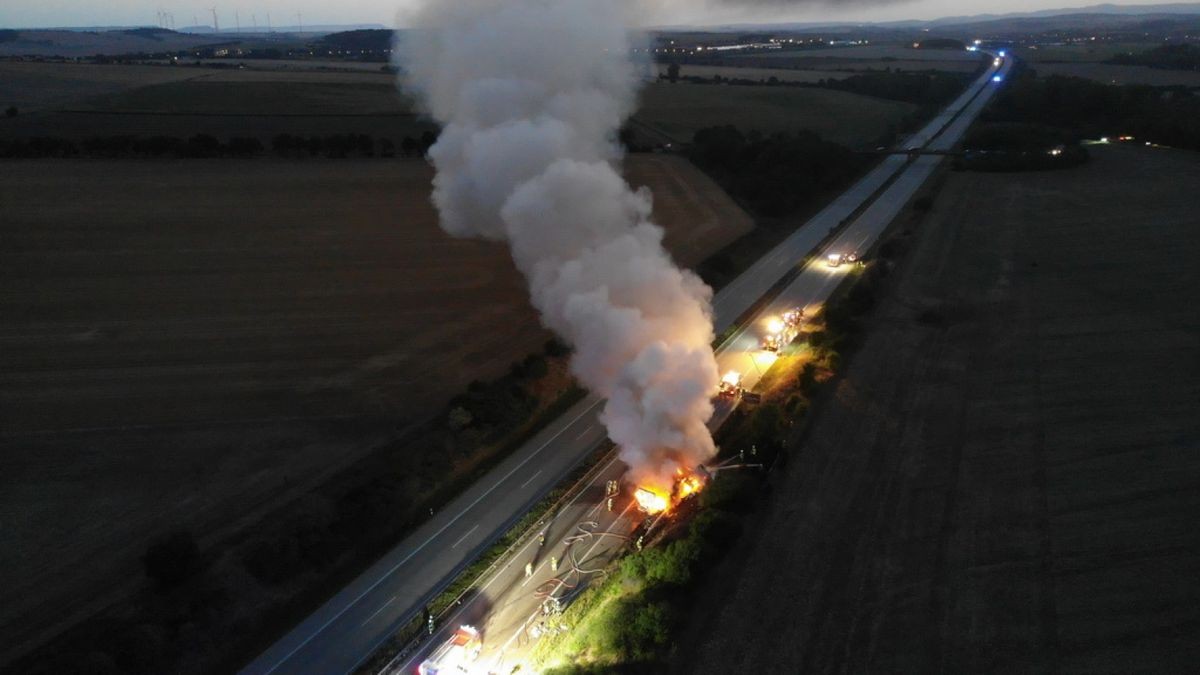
(530, 94)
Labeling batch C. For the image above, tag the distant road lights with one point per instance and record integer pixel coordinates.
(1003, 53)
(997, 78)
(978, 42)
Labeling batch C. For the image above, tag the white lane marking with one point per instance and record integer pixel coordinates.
(390, 601)
(428, 541)
(460, 539)
(530, 479)
(582, 434)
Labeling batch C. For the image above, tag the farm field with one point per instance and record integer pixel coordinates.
(194, 342)
(1082, 52)
(1005, 478)
(32, 86)
(679, 110)
(1118, 74)
(264, 103)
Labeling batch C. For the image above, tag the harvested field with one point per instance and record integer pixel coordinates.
(194, 342)
(1115, 74)
(679, 110)
(1005, 480)
(33, 86)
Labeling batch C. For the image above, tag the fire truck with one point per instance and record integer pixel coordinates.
(731, 385)
(781, 331)
(455, 655)
(838, 259)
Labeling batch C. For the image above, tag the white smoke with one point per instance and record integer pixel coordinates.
(530, 94)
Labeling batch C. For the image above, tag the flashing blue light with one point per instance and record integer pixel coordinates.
(996, 78)
(1003, 53)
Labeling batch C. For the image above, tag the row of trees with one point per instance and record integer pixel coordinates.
(773, 175)
(1020, 147)
(206, 145)
(1087, 109)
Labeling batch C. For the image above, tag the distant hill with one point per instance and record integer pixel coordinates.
(371, 40)
(1099, 16)
(1120, 10)
(74, 43)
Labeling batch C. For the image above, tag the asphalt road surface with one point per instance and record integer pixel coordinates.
(348, 628)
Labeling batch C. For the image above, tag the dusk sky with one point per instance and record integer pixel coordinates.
(43, 13)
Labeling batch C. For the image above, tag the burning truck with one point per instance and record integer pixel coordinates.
(653, 500)
(454, 655)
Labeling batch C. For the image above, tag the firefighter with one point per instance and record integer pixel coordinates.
(610, 503)
(542, 538)
(553, 563)
(528, 570)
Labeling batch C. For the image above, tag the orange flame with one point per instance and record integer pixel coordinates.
(654, 500)
(651, 501)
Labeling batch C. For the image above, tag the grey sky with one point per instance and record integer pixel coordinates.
(38, 13)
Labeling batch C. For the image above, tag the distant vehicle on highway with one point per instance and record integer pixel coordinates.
(839, 259)
(455, 655)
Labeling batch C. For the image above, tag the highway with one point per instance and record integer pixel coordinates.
(348, 628)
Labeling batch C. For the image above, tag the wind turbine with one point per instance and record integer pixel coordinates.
(300, 22)
(237, 21)
(216, 26)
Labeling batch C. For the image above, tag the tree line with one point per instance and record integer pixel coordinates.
(1086, 109)
(207, 145)
(776, 174)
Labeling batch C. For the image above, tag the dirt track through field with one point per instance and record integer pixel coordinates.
(1010, 484)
